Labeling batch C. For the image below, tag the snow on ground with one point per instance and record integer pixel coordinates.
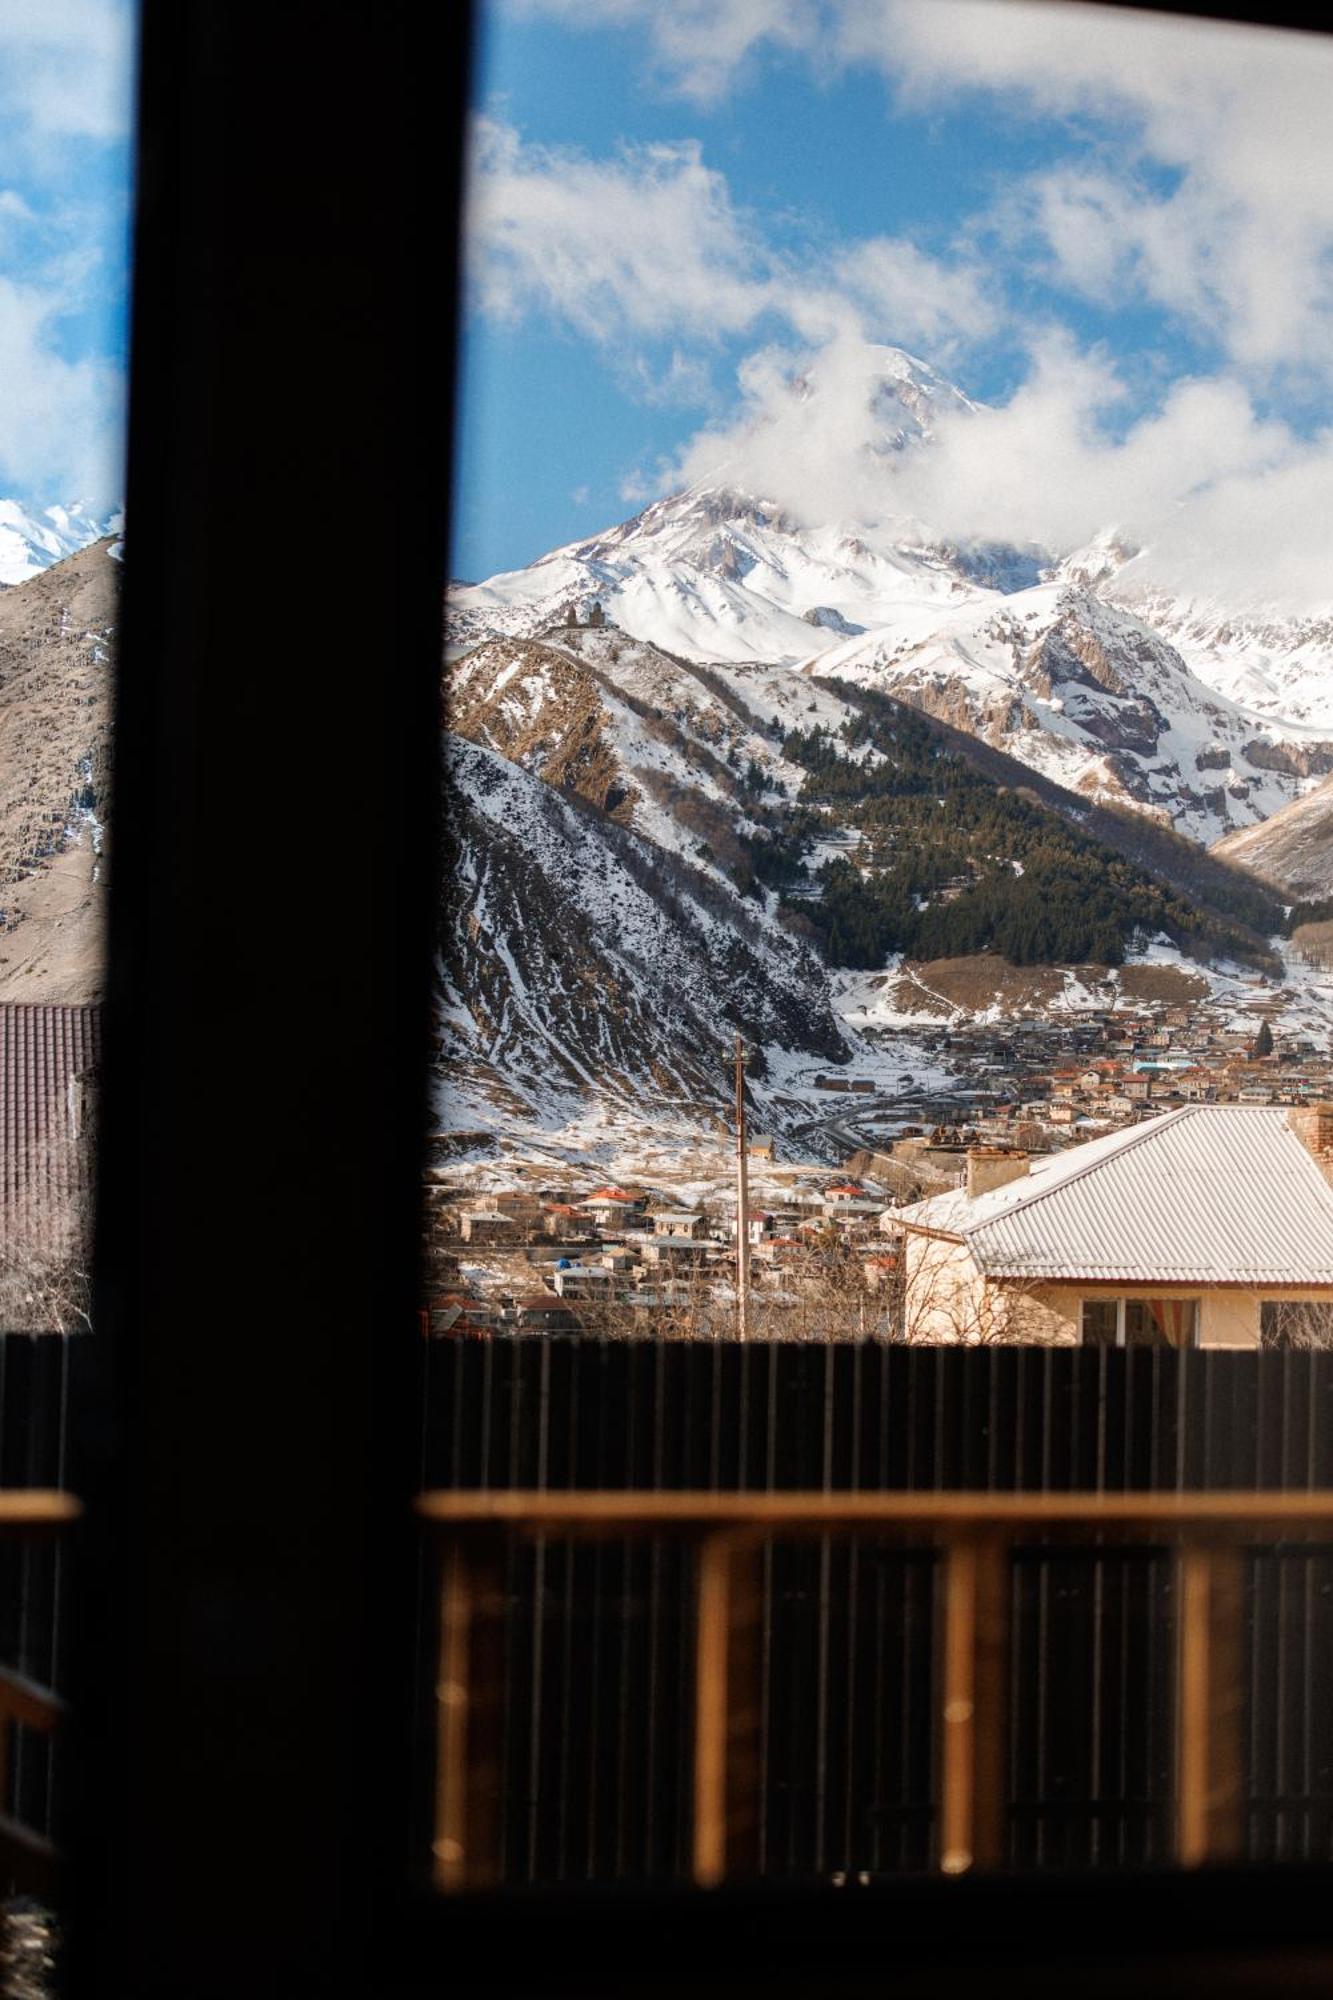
(1300, 1005)
(688, 1146)
(30, 543)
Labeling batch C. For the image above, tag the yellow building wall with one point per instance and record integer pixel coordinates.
(949, 1303)
(1228, 1316)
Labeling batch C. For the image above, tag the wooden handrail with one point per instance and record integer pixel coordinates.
(25, 1510)
(975, 1534)
(612, 1513)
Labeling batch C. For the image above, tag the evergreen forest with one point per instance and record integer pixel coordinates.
(951, 862)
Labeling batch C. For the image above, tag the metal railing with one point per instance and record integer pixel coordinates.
(973, 1535)
(28, 1857)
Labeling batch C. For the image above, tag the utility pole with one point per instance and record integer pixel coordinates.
(742, 1203)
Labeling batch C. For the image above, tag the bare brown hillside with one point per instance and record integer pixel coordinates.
(1294, 848)
(943, 985)
(56, 640)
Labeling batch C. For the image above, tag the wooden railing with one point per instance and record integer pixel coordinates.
(28, 1857)
(975, 1535)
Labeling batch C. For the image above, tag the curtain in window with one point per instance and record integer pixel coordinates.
(1174, 1320)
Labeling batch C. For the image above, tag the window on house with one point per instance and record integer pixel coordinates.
(1296, 1323)
(1140, 1322)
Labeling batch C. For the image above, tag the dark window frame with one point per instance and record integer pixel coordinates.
(245, 1575)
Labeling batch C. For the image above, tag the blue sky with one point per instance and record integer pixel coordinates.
(1115, 231)
(820, 161)
(65, 109)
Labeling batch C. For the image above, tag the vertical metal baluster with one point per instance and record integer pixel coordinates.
(974, 1708)
(471, 1717)
(1210, 1706)
(728, 1607)
(710, 1713)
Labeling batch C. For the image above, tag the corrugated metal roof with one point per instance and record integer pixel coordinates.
(43, 1155)
(1212, 1194)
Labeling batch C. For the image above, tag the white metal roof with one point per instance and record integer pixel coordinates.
(1212, 1194)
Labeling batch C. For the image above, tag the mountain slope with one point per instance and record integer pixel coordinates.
(1294, 848)
(580, 961)
(1275, 664)
(1088, 694)
(646, 849)
(56, 642)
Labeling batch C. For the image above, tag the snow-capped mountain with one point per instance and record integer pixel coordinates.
(30, 543)
(1273, 664)
(720, 574)
(637, 867)
(691, 791)
(1086, 692)
(1068, 661)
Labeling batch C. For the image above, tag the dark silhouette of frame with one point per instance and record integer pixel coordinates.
(245, 1585)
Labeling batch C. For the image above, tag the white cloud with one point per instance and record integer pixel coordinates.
(918, 299)
(65, 112)
(648, 246)
(1214, 198)
(1218, 497)
(643, 244)
(60, 420)
(698, 45)
(65, 68)
(1240, 241)
(1191, 171)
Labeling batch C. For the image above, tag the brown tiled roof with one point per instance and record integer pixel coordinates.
(43, 1159)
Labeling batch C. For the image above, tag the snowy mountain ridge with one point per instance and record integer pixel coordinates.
(31, 542)
(1071, 661)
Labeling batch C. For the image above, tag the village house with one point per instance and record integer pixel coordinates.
(567, 1221)
(488, 1226)
(681, 1224)
(1209, 1226)
(543, 1312)
(669, 1250)
(461, 1315)
(614, 1208)
(583, 1281)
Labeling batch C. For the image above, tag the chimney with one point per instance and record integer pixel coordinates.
(1313, 1126)
(990, 1167)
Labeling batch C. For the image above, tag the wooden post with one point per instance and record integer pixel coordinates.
(469, 1694)
(742, 1202)
(974, 1734)
(727, 1720)
(1210, 1706)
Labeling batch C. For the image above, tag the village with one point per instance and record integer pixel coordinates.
(823, 1255)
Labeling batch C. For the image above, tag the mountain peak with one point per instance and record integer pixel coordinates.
(31, 541)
